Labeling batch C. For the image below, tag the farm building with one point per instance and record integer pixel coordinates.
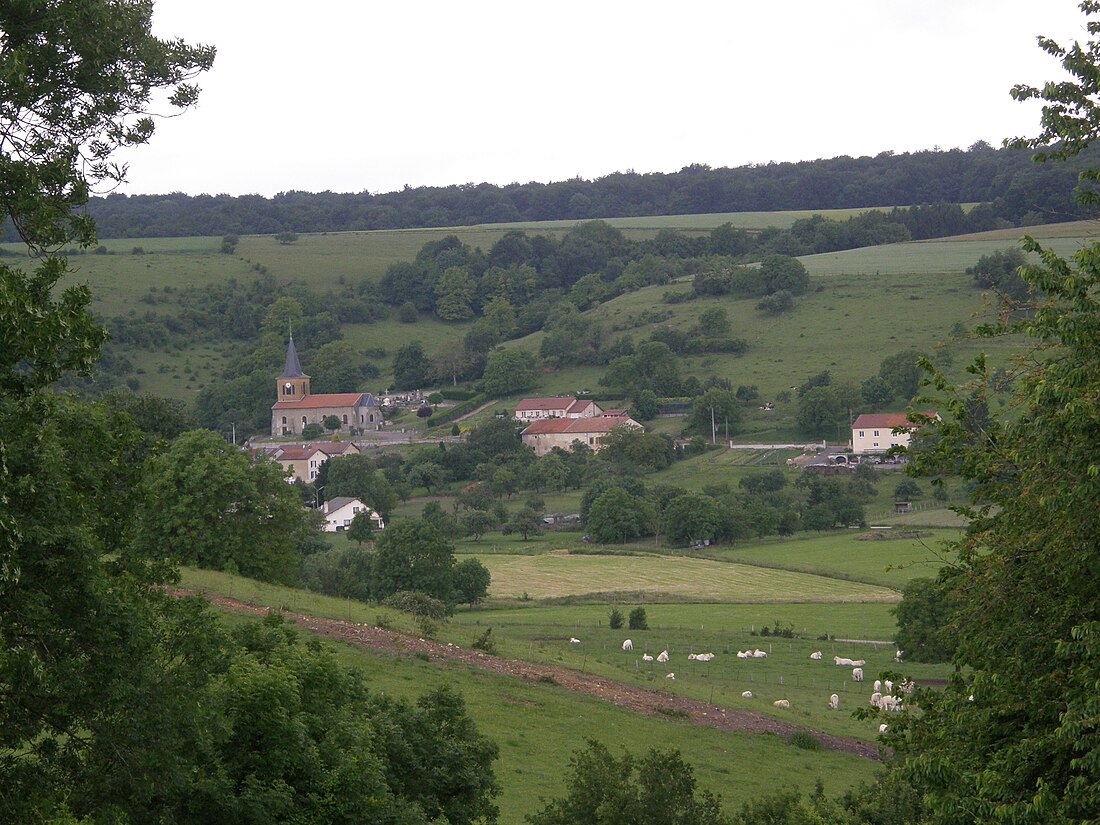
(874, 433)
(339, 513)
(296, 407)
(545, 435)
(535, 409)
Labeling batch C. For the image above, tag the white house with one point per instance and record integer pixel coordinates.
(340, 511)
(874, 432)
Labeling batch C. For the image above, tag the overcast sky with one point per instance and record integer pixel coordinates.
(353, 95)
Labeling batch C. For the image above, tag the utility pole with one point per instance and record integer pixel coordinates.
(713, 429)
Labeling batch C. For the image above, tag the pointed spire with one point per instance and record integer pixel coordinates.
(292, 369)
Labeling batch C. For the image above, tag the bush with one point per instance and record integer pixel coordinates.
(637, 619)
(805, 740)
(418, 604)
(615, 620)
(407, 314)
(311, 431)
(457, 410)
(485, 643)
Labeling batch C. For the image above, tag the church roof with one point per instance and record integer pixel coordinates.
(292, 369)
(321, 400)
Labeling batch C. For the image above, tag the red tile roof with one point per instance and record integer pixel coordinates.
(310, 402)
(886, 421)
(545, 404)
(547, 426)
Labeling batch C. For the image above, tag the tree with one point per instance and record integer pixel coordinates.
(645, 406)
(926, 625)
(781, 272)
(205, 503)
(476, 523)
(637, 620)
(362, 527)
(471, 581)
(286, 238)
(999, 271)
(819, 412)
(615, 619)
(901, 373)
(357, 476)
(407, 314)
(690, 518)
(413, 555)
(411, 366)
(312, 430)
(525, 521)
(616, 516)
(714, 322)
(332, 422)
(509, 371)
(658, 789)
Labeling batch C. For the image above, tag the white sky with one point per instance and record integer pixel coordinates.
(353, 95)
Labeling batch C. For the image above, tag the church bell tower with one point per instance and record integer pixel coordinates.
(293, 384)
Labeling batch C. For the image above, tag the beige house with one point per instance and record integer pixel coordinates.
(874, 432)
(339, 513)
(546, 434)
(535, 409)
(304, 460)
(296, 406)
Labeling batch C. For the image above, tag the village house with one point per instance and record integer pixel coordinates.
(546, 434)
(874, 432)
(340, 511)
(304, 460)
(296, 407)
(535, 409)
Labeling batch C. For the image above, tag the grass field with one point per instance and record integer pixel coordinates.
(553, 575)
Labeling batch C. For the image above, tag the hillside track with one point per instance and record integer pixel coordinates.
(637, 699)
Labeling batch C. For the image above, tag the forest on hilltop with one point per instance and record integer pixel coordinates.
(1017, 190)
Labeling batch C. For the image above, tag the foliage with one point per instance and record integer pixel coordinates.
(716, 405)
(525, 521)
(312, 430)
(658, 789)
(413, 555)
(411, 366)
(616, 515)
(457, 410)
(615, 619)
(927, 627)
(819, 412)
(417, 604)
(471, 581)
(999, 271)
(361, 528)
(690, 518)
(637, 619)
(203, 502)
(508, 371)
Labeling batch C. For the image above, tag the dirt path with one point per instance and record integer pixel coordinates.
(640, 700)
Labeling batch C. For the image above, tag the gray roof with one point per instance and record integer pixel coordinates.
(292, 369)
(334, 504)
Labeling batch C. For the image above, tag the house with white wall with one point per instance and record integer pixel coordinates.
(339, 512)
(874, 432)
(535, 409)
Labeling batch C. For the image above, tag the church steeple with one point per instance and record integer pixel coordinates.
(293, 384)
(293, 369)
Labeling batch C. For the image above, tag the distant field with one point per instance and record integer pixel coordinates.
(555, 574)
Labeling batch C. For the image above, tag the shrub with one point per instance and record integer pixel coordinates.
(416, 603)
(805, 740)
(311, 431)
(615, 620)
(637, 619)
(485, 642)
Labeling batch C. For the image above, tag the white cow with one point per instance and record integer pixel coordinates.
(857, 674)
(841, 660)
(646, 657)
(815, 655)
(671, 676)
(628, 646)
(662, 657)
(876, 697)
(746, 694)
(889, 686)
(834, 702)
(898, 655)
(882, 728)
(782, 703)
(574, 641)
(744, 654)
(878, 686)
(760, 654)
(704, 657)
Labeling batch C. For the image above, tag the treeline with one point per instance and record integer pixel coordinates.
(1017, 190)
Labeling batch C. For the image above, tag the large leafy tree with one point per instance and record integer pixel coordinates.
(413, 555)
(1015, 737)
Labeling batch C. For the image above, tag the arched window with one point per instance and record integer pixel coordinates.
(284, 419)
(303, 420)
(345, 419)
(372, 418)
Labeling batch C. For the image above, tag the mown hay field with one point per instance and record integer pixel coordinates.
(557, 574)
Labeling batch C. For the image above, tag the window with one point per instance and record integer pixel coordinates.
(876, 433)
(372, 418)
(345, 419)
(861, 433)
(284, 419)
(875, 444)
(303, 419)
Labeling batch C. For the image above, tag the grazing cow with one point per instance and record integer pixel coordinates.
(662, 657)
(882, 728)
(906, 686)
(628, 646)
(898, 655)
(671, 676)
(574, 641)
(646, 657)
(857, 674)
(889, 686)
(876, 697)
(746, 694)
(878, 686)
(782, 703)
(815, 655)
(834, 702)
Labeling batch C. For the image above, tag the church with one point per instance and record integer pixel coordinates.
(295, 406)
